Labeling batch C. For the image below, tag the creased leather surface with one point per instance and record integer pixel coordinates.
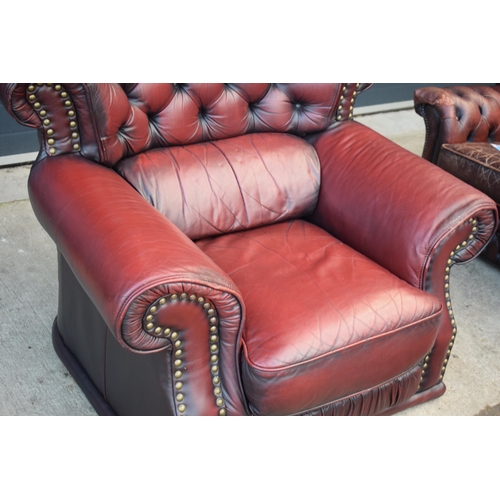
(322, 321)
(391, 205)
(229, 185)
(477, 164)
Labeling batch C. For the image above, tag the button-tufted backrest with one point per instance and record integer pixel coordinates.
(145, 116)
(107, 122)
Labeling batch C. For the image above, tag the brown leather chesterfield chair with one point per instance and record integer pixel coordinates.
(244, 249)
(461, 123)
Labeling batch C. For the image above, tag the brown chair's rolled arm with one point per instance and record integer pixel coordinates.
(458, 114)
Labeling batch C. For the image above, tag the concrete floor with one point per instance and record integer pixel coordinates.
(33, 381)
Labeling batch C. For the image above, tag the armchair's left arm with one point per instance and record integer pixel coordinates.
(404, 213)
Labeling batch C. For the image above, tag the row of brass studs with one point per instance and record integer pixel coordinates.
(350, 104)
(213, 348)
(49, 131)
(424, 369)
(449, 263)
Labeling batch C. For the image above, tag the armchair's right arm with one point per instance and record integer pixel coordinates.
(458, 114)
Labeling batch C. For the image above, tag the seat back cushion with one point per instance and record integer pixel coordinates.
(218, 187)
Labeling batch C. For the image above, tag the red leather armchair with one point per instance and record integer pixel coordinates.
(461, 123)
(244, 249)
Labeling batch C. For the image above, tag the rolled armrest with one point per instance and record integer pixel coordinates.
(153, 286)
(393, 206)
(404, 213)
(458, 114)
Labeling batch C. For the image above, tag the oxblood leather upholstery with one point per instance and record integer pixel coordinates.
(460, 123)
(244, 248)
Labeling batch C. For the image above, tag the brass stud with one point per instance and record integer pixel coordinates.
(464, 243)
(344, 89)
(40, 84)
(441, 377)
(76, 147)
(192, 297)
(149, 326)
(471, 237)
(178, 362)
(445, 361)
(158, 330)
(178, 344)
(31, 88)
(222, 412)
(184, 295)
(452, 321)
(214, 358)
(43, 113)
(72, 124)
(148, 318)
(450, 344)
(457, 247)
(167, 331)
(217, 391)
(180, 397)
(448, 304)
(64, 95)
(339, 118)
(153, 309)
(446, 277)
(447, 295)
(447, 269)
(173, 297)
(427, 358)
(174, 335)
(32, 97)
(52, 151)
(178, 385)
(448, 352)
(425, 365)
(37, 105)
(350, 115)
(452, 254)
(446, 286)
(46, 121)
(51, 141)
(50, 131)
(213, 320)
(474, 229)
(213, 347)
(210, 311)
(443, 369)
(178, 353)
(58, 87)
(213, 329)
(358, 85)
(71, 113)
(67, 103)
(216, 380)
(449, 262)
(201, 299)
(214, 338)
(182, 408)
(178, 374)
(340, 108)
(163, 299)
(219, 401)
(206, 305)
(214, 369)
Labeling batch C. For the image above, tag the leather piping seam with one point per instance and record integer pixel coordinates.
(341, 349)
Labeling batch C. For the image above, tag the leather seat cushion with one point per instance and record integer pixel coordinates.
(322, 321)
(228, 185)
(476, 163)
